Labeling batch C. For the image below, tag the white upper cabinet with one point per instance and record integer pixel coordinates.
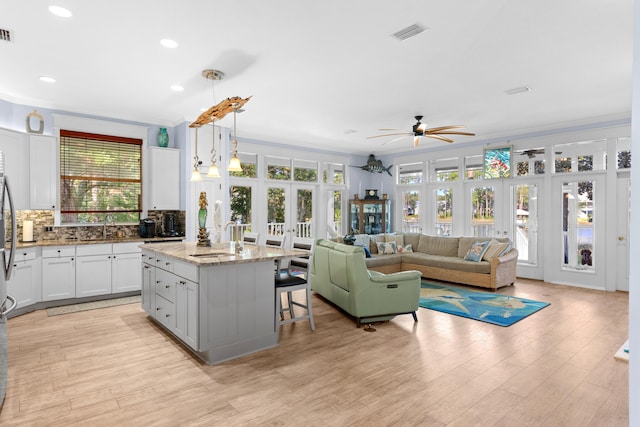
(164, 164)
(43, 172)
(15, 149)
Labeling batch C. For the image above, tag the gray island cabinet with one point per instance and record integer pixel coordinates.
(219, 303)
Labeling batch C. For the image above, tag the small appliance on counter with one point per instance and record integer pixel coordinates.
(147, 228)
(170, 226)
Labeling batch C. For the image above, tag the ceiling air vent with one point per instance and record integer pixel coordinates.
(410, 31)
(6, 35)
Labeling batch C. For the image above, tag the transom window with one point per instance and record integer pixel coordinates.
(99, 175)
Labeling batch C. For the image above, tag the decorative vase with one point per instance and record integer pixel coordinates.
(202, 218)
(163, 138)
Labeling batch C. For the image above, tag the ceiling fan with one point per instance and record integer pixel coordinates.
(420, 129)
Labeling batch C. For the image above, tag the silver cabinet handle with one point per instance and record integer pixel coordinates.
(7, 310)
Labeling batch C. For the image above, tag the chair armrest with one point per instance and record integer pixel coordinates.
(378, 277)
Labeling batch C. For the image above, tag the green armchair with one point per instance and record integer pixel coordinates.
(338, 272)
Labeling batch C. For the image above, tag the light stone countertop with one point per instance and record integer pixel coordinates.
(220, 253)
(69, 242)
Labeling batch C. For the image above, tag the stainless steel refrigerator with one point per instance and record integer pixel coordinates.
(7, 302)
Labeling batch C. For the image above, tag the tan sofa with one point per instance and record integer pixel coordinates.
(442, 258)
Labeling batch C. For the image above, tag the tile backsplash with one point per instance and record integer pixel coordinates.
(44, 229)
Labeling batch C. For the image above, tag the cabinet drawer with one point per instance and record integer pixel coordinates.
(165, 313)
(100, 249)
(164, 262)
(127, 248)
(149, 258)
(25, 254)
(166, 285)
(186, 270)
(58, 251)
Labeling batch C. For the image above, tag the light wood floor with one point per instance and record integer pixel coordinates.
(114, 367)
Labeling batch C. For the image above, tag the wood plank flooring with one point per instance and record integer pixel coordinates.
(114, 366)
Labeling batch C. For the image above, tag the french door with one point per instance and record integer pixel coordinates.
(578, 219)
(290, 210)
(507, 209)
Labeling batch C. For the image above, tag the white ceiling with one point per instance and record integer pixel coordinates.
(320, 70)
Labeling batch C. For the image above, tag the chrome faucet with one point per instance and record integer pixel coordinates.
(107, 218)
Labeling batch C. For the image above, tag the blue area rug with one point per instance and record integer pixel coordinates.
(502, 310)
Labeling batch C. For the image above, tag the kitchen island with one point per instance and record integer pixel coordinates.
(218, 302)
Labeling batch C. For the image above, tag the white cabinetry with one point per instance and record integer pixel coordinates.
(58, 272)
(93, 270)
(148, 282)
(16, 165)
(105, 268)
(24, 284)
(170, 294)
(125, 267)
(165, 178)
(43, 172)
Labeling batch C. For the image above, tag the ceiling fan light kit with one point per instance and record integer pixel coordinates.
(420, 130)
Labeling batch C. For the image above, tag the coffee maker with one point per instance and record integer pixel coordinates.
(170, 225)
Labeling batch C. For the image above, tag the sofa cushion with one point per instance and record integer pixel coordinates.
(387, 248)
(448, 262)
(381, 260)
(412, 239)
(495, 249)
(403, 249)
(466, 242)
(438, 245)
(477, 250)
(398, 239)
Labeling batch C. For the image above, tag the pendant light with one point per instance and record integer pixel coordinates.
(213, 169)
(195, 174)
(234, 162)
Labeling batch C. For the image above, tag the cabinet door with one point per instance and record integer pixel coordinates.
(165, 178)
(125, 272)
(16, 165)
(24, 285)
(149, 288)
(43, 172)
(187, 312)
(93, 275)
(59, 278)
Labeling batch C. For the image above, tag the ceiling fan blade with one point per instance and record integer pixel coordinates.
(394, 140)
(442, 138)
(455, 133)
(438, 129)
(389, 134)
(422, 127)
(416, 141)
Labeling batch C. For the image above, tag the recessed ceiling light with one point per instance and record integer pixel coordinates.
(168, 43)
(60, 11)
(177, 88)
(521, 89)
(47, 79)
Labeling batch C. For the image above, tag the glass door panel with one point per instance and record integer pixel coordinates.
(411, 211)
(304, 212)
(276, 210)
(444, 211)
(240, 197)
(525, 214)
(577, 225)
(334, 213)
(482, 211)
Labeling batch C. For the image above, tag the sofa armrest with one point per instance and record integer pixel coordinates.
(378, 277)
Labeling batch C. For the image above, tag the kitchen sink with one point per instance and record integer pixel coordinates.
(211, 254)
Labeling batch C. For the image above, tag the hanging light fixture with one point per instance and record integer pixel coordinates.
(195, 174)
(213, 169)
(234, 162)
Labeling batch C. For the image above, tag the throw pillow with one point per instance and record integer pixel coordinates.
(387, 248)
(495, 249)
(405, 249)
(477, 250)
